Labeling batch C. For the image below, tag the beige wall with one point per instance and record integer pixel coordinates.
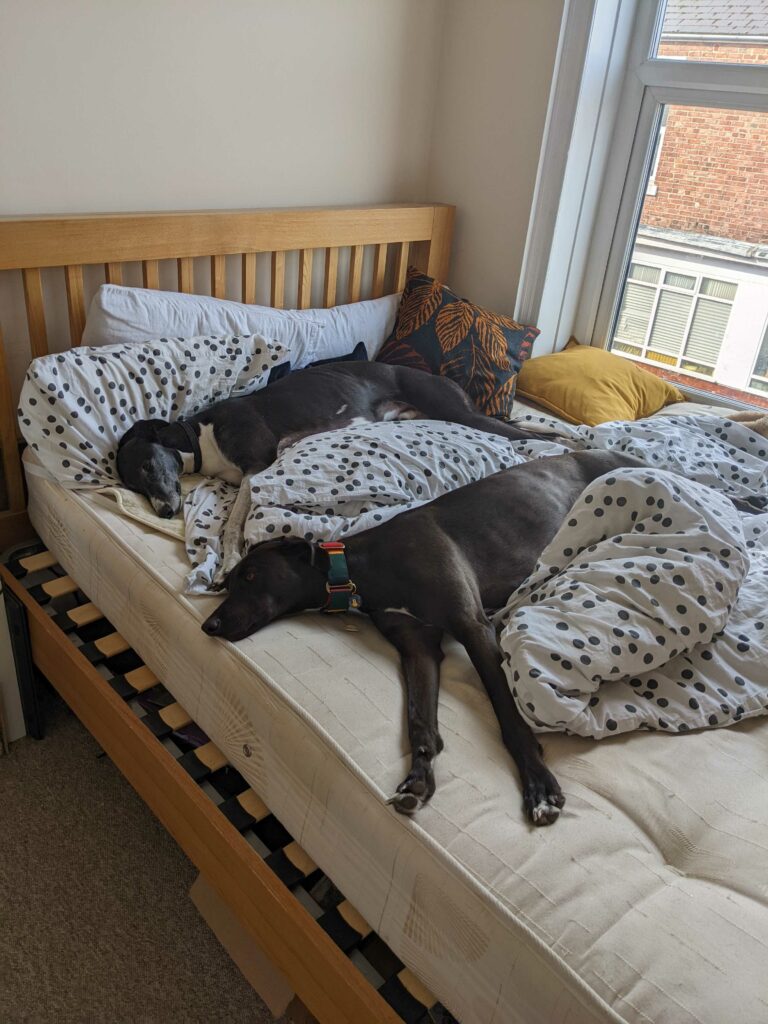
(173, 104)
(495, 72)
(184, 104)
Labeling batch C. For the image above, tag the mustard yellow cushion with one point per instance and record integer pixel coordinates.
(588, 385)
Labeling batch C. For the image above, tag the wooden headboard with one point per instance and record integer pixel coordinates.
(371, 245)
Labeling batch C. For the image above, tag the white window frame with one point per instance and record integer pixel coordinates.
(589, 193)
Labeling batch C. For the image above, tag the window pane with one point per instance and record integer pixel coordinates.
(635, 313)
(718, 289)
(707, 330)
(640, 272)
(701, 253)
(668, 332)
(761, 363)
(723, 31)
(679, 280)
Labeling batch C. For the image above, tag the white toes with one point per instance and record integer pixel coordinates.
(544, 813)
(405, 803)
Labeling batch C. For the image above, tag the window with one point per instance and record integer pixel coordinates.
(673, 319)
(649, 226)
(688, 294)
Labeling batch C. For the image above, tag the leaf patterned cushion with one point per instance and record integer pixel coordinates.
(439, 332)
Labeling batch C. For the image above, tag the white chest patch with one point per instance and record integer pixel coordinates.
(213, 462)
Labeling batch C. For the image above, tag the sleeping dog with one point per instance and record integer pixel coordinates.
(435, 568)
(241, 436)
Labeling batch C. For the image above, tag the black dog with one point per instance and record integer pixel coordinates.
(436, 568)
(240, 436)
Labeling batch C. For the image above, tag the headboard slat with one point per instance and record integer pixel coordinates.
(186, 269)
(75, 303)
(305, 279)
(401, 265)
(277, 289)
(379, 270)
(113, 273)
(331, 274)
(218, 277)
(249, 277)
(33, 298)
(150, 273)
(355, 273)
(14, 481)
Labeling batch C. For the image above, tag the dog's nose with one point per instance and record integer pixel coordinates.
(212, 625)
(166, 511)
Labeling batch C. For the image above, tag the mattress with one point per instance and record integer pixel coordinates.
(645, 902)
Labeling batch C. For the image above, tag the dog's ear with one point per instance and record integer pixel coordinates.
(144, 430)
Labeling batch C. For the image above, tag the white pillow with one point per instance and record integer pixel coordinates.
(119, 315)
(76, 405)
(125, 315)
(370, 321)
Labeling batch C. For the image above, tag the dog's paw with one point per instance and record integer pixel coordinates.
(542, 797)
(413, 792)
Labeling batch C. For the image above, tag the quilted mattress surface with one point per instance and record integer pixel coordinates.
(647, 901)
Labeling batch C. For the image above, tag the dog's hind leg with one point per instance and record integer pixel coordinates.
(419, 647)
(438, 398)
(542, 796)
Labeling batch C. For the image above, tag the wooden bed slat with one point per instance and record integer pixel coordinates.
(277, 289)
(33, 298)
(249, 277)
(218, 277)
(186, 270)
(113, 273)
(210, 755)
(331, 274)
(355, 273)
(11, 462)
(379, 269)
(59, 587)
(401, 265)
(141, 679)
(150, 271)
(75, 303)
(111, 644)
(305, 279)
(42, 560)
(253, 804)
(174, 716)
(85, 614)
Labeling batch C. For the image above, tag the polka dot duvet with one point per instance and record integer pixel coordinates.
(645, 611)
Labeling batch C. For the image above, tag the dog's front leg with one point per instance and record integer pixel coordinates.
(421, 654)
(542, 796)
(232, 538)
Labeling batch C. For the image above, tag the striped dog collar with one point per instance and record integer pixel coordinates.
(342, 592)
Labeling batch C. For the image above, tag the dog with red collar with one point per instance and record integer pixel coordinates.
(437, 568)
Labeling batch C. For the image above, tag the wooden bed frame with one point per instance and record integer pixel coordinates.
(316, 969)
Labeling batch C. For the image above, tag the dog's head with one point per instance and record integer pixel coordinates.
(274, 579)
(147, 466)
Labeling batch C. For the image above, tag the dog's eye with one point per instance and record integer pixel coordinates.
(250, 576)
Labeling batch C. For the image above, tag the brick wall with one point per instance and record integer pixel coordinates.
(712, 177)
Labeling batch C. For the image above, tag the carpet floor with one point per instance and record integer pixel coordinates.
(96, 925)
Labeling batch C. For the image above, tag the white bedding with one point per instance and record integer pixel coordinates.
(647, 900)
